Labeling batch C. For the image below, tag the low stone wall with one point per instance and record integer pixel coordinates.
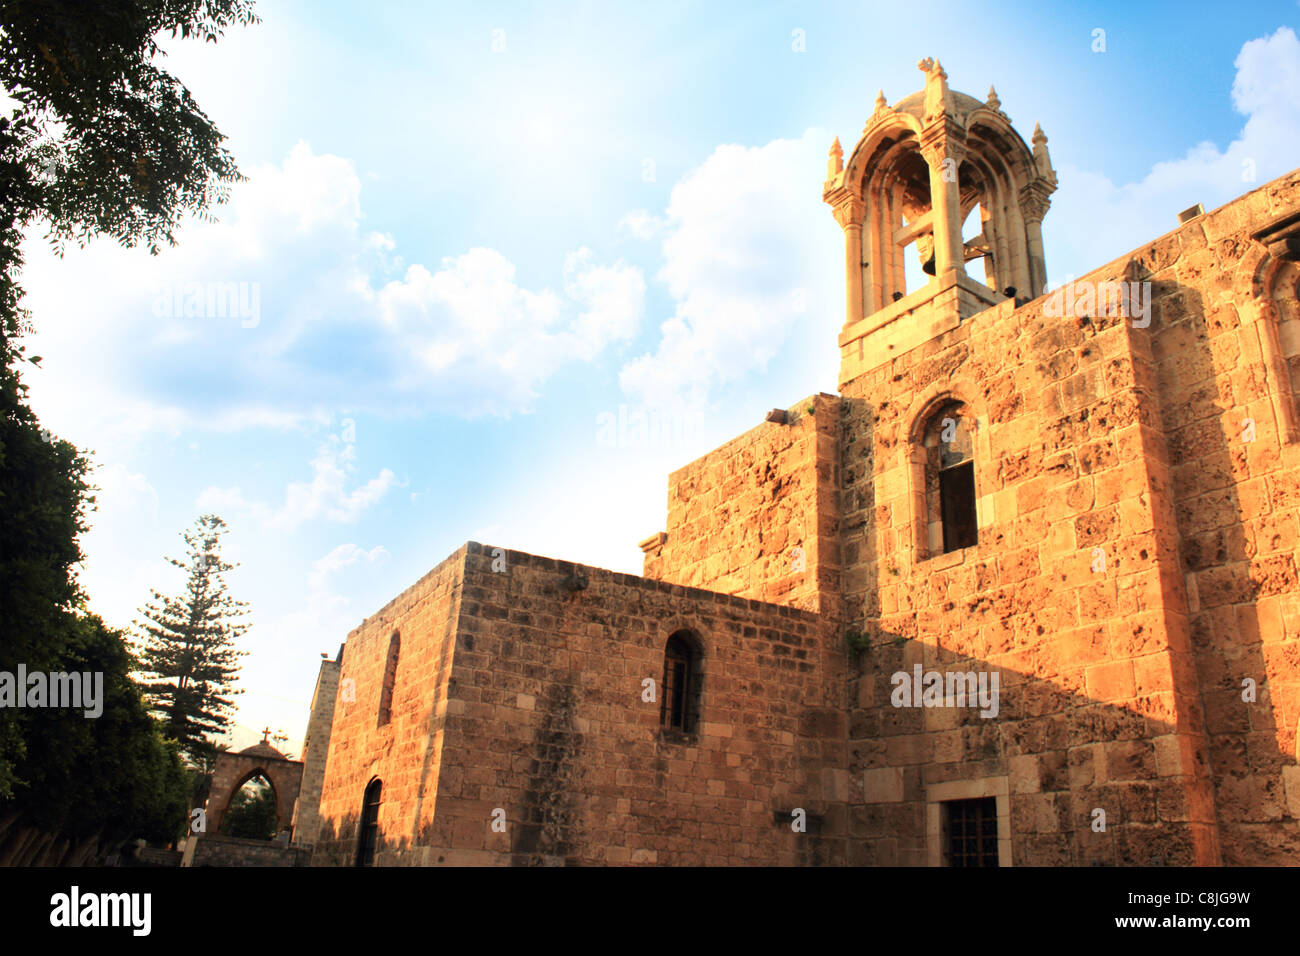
(217, 850)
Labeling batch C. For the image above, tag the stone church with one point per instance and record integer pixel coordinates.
(1024, 592)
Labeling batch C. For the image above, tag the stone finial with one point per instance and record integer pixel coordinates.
(880, 101)
(993, 102)
(836, 163)
(1041, 158)
(936, 88)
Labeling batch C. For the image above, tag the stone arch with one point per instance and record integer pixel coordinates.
(916, 459)
(895, 185)
(253, 774)
(682, 682)
(233, 770)
(369, 830)
(937, 394)
(924, 146)
(682, 622)
(1266, 288)
(883, 131)
(990, 134)
(1003, 240)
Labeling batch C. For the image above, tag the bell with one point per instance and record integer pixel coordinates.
(925, 252)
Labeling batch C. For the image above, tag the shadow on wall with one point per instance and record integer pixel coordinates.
(1063, 754)
(1234, 555)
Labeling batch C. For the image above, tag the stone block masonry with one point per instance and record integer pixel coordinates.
(759, 517)
(1093, 498)
(545, 719)
(315, 748)
(1134, 574)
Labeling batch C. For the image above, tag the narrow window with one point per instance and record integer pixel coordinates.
(950, 515)
(390, 679)
(369, 836)
(679, 706)
(971, 832)
(957, 506)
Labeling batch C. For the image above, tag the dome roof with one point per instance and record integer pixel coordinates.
(263, 749)
(915, 104)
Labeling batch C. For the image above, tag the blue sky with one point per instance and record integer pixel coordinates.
(475, 232)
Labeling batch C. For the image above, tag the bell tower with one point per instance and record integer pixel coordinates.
(918, 171)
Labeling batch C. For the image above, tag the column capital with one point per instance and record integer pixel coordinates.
(849, 210)
(1035, 198)
(943, 139)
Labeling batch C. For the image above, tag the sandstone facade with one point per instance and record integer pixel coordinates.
(315, 748)
(524, 733)
(1129, 456)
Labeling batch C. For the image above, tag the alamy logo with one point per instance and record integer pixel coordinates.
(642, 428)
(955, 689)
(1085, 299)
(39, 689)
(102, 909)
(211, 300)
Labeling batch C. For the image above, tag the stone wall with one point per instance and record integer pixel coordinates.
(233, 769)
(406, 753)
(1226, 347)
(1138, 507)
(1093, 500)
(546, 721)
(213, 849)
(315, 748)
(759, 517)
(1089, 660)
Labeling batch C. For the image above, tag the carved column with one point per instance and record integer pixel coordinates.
(849, 212)
(1033, 203)
(943, 154)
(897, 254)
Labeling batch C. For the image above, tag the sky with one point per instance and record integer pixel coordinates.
(479, 243)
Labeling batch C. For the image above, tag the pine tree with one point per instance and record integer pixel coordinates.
(189, 646)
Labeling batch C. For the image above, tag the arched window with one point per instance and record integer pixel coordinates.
(950, 516)
(679, 705)
(390, 679)
(368, 838)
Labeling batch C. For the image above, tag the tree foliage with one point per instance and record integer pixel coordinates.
(251, 814)
(189, 644)
(112, 775)
(101, 141)
(112, 143)
(43, 501)
(100, 779)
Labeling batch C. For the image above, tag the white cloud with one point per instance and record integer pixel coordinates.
(748, 255)
(344, 556)
(325, 612)
(1093, 220)
(115, 574)
(749, 251)
(329, 330)
(324, 497)
(485, 344)
(640, 224)
(612, 297)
